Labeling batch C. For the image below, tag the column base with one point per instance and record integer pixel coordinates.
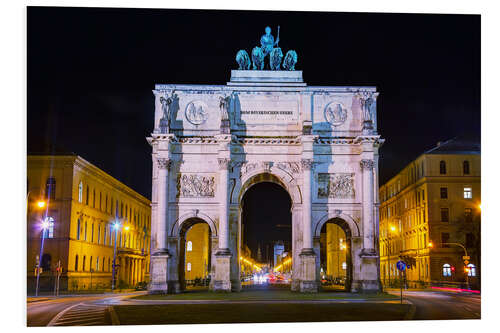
(158, 274)
(308, 283)
(222, 280)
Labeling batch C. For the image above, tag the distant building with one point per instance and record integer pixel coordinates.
(83, 202)
(278, 250)
(197, 252)
(434, 201)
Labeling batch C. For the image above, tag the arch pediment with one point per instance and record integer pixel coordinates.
(353, 226)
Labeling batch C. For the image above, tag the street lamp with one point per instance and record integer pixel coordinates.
(116, 226)
(44, 225)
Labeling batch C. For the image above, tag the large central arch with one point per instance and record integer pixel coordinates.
(287, 185)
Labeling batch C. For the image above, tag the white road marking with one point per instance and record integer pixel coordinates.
(81, 314)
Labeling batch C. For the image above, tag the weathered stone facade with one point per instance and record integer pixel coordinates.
(319, 143)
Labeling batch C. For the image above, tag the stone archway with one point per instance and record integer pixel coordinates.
(202, 257)
(348, 244)
(258, 178)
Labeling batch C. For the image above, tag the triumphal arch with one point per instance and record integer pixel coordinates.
(211, 143)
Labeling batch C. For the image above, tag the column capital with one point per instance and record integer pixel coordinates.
(307, 164)
(223, 163)
(163, 163)
(366, 164)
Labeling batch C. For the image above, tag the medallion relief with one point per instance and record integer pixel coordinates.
(196, 112)
(335, 113)
(195, 186)
(336, 185)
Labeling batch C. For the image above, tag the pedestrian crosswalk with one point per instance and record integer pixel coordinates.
(82, 314)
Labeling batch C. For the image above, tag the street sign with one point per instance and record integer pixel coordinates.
(466, 257)
(466, 262)
(401, 265)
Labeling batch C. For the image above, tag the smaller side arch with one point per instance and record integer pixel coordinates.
(176, 228)
(332, 215)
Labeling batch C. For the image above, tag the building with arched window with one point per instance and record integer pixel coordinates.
(439, 203)
(79, 232)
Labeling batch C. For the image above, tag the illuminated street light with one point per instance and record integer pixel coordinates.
(44, 225)
(41, 204)
(430, 245)
(393, 228)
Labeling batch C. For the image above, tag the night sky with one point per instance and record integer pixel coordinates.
(91, 72)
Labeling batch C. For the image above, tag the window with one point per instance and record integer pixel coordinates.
(106, 205)
(87, 196)
(90, 266)
(189, 246)
(78, 226)
(466, 168)
(100, 200)
(104, 236)
(49, 233)
(85, 232)
(467, 192)
(80, 192)
(45, 264)
(472, 270)
(97, 264)
(99, 234)
(445, 215)
(446, 270)
(425, 240)
(469, 240)
(109, 264)
(468, 214)
(444, 193)
(344, 265)
(92, 234)
(445, 238)
(442, 168)
(93, 198)
(76, 263)
(103, 261)
(188, 267)
(50, 188)
(83, 263)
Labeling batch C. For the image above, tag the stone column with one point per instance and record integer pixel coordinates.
(308, 281)
(368, 196)
(369, 277)
(160, 255)
(223, 204)
(222, 281)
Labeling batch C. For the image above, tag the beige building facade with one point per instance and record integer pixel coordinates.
(430, 216)
(82, 205)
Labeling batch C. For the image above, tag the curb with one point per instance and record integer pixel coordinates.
(114, 316)
(411, 313)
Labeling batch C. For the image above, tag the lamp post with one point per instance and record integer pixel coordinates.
(116, 226)
(393, 230)
(45, 226)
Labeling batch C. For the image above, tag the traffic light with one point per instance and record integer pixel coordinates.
(453, 268)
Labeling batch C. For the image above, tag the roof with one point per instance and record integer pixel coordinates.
(457, 146)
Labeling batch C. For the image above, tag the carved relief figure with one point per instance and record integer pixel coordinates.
(335, 114)
(166, 107)
(195, 186)
(336, 185)
(243, 60)
(290, 60)
(196, 113)
(367, 104)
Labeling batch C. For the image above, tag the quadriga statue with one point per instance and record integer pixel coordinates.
(275, 58)
(257, 58)
(290, 60)
(243, 60)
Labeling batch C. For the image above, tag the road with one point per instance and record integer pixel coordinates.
(74, 309)
(438, 305)
(95, 309)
